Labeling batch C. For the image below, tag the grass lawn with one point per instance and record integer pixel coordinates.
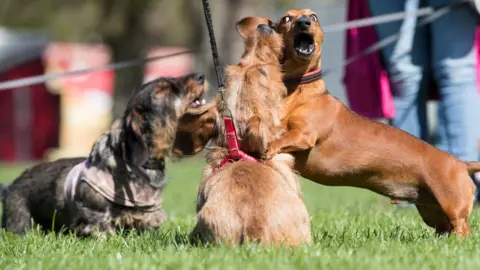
(353, 229)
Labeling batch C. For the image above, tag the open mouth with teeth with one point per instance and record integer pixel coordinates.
(199, 101)
(304, 45)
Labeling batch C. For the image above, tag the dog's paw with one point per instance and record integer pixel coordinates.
(270, 153)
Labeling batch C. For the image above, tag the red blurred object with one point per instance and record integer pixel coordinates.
(65, 57)
(168, 67)
(29, 116)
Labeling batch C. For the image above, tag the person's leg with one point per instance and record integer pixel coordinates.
(453, 65)
(405, 61)
(441, 137)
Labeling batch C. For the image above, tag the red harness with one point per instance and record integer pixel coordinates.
(234, 152)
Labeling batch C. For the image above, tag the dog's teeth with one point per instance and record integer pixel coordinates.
(203, 102)
(197, 102)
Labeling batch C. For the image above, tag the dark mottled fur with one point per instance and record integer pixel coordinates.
(134, 148)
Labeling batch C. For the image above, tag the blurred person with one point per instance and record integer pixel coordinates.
(442, 55)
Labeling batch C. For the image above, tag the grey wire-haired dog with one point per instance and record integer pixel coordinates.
(119, 184)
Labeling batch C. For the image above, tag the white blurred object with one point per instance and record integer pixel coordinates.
(476, 4)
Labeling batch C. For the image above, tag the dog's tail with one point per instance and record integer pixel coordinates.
(472, 166)
(3, 191)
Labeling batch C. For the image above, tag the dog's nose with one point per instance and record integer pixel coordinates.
(264, 29)
(303, 22)
(199, 77)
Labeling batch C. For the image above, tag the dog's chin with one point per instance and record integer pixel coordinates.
(199, 97)
(304, 46)
(198, 102)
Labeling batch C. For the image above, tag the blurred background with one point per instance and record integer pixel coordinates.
(63, 117)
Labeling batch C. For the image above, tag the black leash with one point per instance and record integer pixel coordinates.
(216, 58)
(234, 151)
(213, 44)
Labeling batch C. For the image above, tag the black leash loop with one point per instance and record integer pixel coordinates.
(213, 44)
(216, 58)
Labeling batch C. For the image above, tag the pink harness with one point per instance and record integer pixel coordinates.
(234, 151)
(119, 191)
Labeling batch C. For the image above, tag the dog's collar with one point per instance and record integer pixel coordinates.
(154, 164)
(308, 77)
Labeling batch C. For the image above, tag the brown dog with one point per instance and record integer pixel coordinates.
(334, 146)
(247, 201)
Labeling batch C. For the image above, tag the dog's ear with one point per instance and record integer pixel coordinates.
(195, 129)
(271, 23)
(135, 149)
(241, 27)
(246, 25)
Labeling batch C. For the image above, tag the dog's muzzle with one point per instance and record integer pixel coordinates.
(303, 23)
(265, 29)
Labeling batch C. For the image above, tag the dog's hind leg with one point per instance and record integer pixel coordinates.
(434, 217)
(16, 216)
(455, 219)
(201, 234)
(459, 204)
(455, 202)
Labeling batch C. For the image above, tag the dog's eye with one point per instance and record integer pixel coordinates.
(314, 18)
(286, 19)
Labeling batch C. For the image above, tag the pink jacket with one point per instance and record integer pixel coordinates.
(366, 80)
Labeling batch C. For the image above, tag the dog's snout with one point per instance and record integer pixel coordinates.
(199, 77)
(264, 29)
(303, 22)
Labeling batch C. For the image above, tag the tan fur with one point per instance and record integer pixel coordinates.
(195, 128)
(334, 146)
(164, 138)
(166, 133)
(253, 85)
(247, 201)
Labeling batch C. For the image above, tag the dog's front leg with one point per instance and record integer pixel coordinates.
(292, 141)
(255, 136)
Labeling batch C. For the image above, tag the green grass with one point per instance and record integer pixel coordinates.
(353, 229)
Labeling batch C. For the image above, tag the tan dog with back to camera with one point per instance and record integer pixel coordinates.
(334, 146)
(247, 201)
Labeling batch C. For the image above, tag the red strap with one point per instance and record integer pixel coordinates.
(234, 152)
(232, 140)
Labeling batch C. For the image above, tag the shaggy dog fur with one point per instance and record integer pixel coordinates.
(133, 150)
(247, 201)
